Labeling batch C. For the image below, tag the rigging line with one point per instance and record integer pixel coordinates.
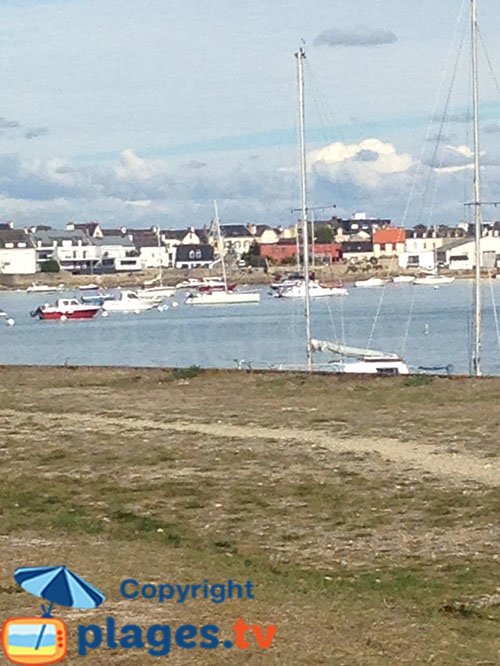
(375, 320)
(328, 119)
(495, 313)
(488, 60)
(440, 135)
(409, 321)
(332, 322)
(419, 168)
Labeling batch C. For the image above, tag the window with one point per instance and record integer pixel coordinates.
(9, 245)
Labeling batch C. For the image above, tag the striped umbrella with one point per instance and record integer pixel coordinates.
(58, 585)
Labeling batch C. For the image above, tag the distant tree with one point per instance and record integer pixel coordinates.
(323, 234)
(50, 266)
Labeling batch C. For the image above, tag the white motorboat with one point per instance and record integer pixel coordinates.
(219, 297)
(403, 279)
(433, 280)
(129, 301)
(316, 290)
(43, 288)
(371, 282)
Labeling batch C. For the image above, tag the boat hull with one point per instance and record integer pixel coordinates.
(222, 298)
(87, 313)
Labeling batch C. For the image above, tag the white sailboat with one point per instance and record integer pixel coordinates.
(433, 280)
(225, 296)
(351, 359)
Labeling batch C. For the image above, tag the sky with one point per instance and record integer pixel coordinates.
(142, 113)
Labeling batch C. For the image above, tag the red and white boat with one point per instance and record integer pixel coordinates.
(66, 308)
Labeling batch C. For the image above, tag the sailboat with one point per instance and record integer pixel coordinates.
(366, 361)
(151, 289)
(228, 295)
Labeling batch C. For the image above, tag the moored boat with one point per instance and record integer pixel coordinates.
(433, 280)
(371, 282)
(403, 279)
(43, 288)
(66, 308)
(129, 301)
(218, 297)
(316, 290)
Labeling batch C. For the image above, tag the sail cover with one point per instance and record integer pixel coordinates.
(351, 352)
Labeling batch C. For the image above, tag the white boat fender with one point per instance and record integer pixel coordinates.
(64, 318)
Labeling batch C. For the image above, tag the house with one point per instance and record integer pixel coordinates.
(285, 251)
(389, 241)
(422, 243)
(194, 256)
(236, 238)
(358, 227)
(150, 246)
(460, 254)
(117, 253)
(172, 238)
(263, 233)
(17, 252)
(71, 249)
(282, 252)
(355, 250)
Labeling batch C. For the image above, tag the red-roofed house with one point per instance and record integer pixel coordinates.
(389, 241)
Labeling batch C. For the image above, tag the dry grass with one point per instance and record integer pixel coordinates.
(357, 560)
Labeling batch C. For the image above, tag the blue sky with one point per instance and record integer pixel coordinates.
(143, 112)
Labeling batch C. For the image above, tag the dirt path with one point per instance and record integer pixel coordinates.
(455, 467)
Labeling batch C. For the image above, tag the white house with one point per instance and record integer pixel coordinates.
(460, 254)
(17, 253)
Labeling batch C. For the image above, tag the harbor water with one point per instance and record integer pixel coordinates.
(430, 327)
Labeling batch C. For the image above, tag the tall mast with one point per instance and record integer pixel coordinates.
(476, 360)
(220, 245)
(300, 55)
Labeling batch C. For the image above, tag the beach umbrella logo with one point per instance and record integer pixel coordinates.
(35, 640)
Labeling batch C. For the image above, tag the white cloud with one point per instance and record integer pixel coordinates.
(135, 168)
(365, 163)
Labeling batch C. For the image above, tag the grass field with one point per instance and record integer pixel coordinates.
(364, 511)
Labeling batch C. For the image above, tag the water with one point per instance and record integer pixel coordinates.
(264, 335)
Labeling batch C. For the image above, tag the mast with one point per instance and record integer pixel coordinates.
(160, 273)
(476, 360)
(220, 245)
(300, 56)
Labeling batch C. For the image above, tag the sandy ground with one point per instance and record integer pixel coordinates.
(365, 511)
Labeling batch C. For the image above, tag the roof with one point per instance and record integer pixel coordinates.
(175, 234)
(234, 231)
(124, 241)
(14, 236)
(144, 238)
(113, 232)
(48, 237)
(455, 243)
(389, 235)
(88, 227)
